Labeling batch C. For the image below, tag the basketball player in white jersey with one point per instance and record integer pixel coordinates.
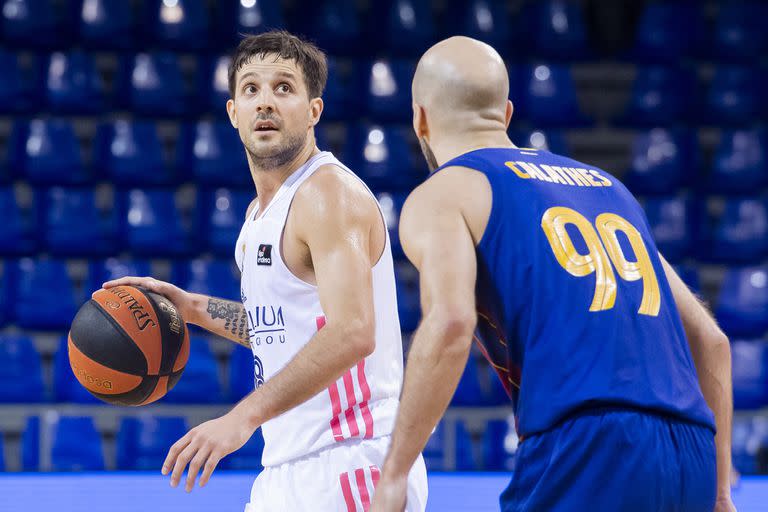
(318, 304)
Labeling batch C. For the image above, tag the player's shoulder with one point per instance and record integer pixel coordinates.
(450, 187)
(331, 190)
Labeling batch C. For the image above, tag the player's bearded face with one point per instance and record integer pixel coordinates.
(429, 156)
(273, 110)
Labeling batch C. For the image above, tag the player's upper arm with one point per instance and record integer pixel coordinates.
(334, 215)
(437, 240)
(700, 327)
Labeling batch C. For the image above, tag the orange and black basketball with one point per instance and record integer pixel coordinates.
(128, 346)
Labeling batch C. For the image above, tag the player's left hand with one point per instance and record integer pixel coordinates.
(390, 494)
(205, 445)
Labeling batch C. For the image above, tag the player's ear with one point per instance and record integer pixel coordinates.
(508, 113)
(232, 113)
(316, 106)
(420, 126)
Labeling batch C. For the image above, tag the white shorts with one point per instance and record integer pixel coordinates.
(337, 479)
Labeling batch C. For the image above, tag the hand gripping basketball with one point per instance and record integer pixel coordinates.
(180, 298)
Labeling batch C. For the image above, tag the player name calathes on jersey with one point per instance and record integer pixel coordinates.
(573, 176)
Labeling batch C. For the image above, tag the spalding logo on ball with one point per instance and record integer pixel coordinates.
(128, 346)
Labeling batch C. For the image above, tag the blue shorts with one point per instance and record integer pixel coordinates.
(615, 460)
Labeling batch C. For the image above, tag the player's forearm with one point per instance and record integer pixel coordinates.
(332, 351)
(436, 361)
(225, 318)
(713, 365)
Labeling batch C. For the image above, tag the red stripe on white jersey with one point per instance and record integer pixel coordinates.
(362, 488)
(375, 475)
(333, 391)
(346, 490)
(349, 413)
(367, 417)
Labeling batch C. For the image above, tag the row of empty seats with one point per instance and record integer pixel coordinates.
(132, 153)
(549, 28)
(156, 223)
(157, 85)
(74, 443)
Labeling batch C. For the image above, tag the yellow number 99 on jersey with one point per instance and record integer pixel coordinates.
(604, 249)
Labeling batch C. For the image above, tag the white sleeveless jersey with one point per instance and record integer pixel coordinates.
(284, 313)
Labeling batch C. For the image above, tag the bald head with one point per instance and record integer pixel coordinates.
(461, 77)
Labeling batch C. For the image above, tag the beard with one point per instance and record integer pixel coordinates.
(429, 156)
(284, 153)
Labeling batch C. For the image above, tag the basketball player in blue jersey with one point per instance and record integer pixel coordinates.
(613, 366)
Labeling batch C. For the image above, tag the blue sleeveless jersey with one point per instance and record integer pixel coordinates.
(574, 309)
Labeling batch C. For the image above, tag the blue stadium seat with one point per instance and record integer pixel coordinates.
(47, 152)
(738, 230)
(66, 387)
(249, 17)
(199, 384)
(485, 20)
(659, 37)
(736, 95)
(739, 32)
(218, 87)
(388, 90)
(334, 25)
(213, 153)
(131, 153)
(740, 162)
(434, 450)
(549, 97)
(46, 298)
(500, 444)
(661, 161)
(671, 219)
(34, 23)
(750, 373)
(2, 453)
(75, 444)
(402, 27)
(661, 96)
(75, 225)
(100, 272)
(743, 456)
(690, 276)
(30, 445)
(468, 392)
(216, 278)
(381, 156)
(391, 205)
(74, 86)
(18, 231)
(154, 225)
(157, 85)
(408, 302)
(107, 25)
(7, 291)
(550, 140)
(241, 373)
(19, 88)
(465, 450)
(143, 441)
(21, 374)
(178, 24)
(560, 31)
(248, 457)
(742, 304)
(338, 103)
(224, 214)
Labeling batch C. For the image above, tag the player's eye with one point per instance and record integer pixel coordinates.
(285, 88)
(249, 89)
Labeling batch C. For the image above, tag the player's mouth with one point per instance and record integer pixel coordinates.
(265, 126)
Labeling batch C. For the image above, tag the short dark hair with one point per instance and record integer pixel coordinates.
(282, 44)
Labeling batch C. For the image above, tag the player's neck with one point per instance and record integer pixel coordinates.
(268, 181)
(451, 147)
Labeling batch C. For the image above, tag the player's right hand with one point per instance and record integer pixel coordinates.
(181, 299)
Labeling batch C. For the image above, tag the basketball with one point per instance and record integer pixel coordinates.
(128, 346)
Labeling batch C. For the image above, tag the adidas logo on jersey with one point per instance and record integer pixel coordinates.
(264, 256)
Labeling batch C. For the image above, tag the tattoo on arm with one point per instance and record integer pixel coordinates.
(234, 316)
